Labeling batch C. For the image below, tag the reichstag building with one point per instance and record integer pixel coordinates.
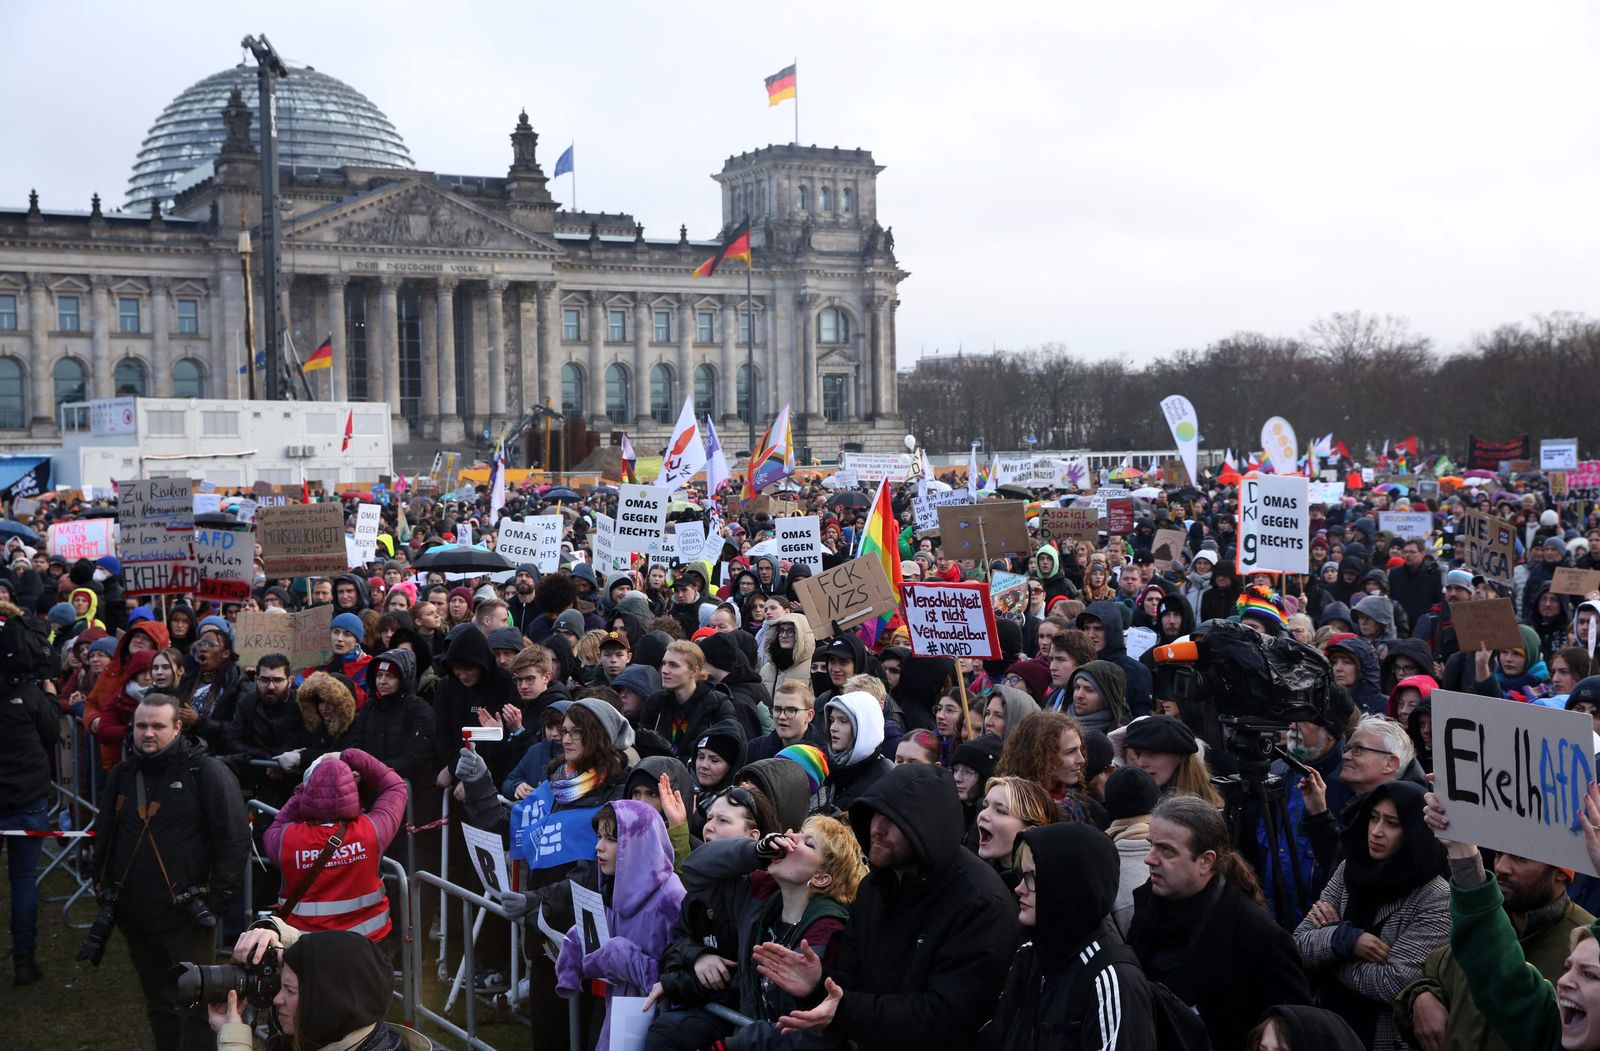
(462, 301)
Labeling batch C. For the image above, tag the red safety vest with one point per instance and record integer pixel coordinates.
(348, 894)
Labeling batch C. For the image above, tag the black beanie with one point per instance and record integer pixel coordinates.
(345, 984)
(981, 753)
(723, 743)
(1097, 754)
(721, 650)
(1130, 792)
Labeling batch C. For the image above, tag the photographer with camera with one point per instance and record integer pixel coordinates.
(326, 990)
(170, 846)
(30, 726)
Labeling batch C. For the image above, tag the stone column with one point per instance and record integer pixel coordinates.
(338, 375)
(549, 344)
(807, 306)
(428, 344)
(40, 323)
(451, 427)
(597, 360)
(643, 331)
(732, 357)
(100, 369)
(686, 343)
(527, 367)
(496, 304)
(160, 338)
(892, 371)
(782, 360)
(384, 359)
(880, 377)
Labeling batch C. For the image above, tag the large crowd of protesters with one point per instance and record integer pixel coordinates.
(802, 840)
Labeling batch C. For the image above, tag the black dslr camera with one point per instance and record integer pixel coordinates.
(93, 949)
(191, 985)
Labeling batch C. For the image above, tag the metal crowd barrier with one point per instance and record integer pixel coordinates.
(73, 808)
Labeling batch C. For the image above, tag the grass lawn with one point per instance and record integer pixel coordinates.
(79, 1008)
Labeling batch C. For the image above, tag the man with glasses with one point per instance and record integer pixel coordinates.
(793, 722)
(263, 727)
(1378, 751)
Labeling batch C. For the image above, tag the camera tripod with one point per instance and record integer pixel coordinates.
(1256, 793)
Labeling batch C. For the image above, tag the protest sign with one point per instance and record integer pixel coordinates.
(692, 541)
(1558, 483)
(1406, 525)
(257, 634)
(641, 518)
(846, 595)
(1279, 447)
(1119, 517)
(1492, 621)
(367, 518)
(1568, 581)
(1013, 470)
(159, 578)
(992, 528)
(1513, 777)
(86, 538)
(245, 509)
(664, 548)
(1168, 546)
(1325, 493)
(1558, 454)
(155, 500)
(223, 558)
(1490, 546)
(800, 540)
(1008, 593)
(1105, 494)
(1274, 524)
(535, 539)
(464, 533)
(1484, 455)
(846, 479)
(207, 503)
(875, 467)
(925, 509)
(1073, 473)
(951, 620)
(1065, 526)
(23, 507)
(488, 853)
(310, 643)
(299, 540)
(1585, 476)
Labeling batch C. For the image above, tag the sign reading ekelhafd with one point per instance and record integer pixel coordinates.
(1274, 524)
(1513, 776)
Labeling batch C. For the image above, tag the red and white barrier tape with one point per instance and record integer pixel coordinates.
(47, 834)
(414, 829)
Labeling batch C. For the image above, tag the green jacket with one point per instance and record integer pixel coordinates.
(1517, 1002)
(1544, 943)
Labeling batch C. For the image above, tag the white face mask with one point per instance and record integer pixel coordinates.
(136, 691)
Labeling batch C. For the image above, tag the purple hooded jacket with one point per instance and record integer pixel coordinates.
(642, 903)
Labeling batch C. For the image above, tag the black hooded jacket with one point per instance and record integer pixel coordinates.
(363, 593)
(922, 681)
(455, 705)
(1140, 684)
(683, 725)
(1168, 604)
(398, 729)
(1075, 985)
(926, 950)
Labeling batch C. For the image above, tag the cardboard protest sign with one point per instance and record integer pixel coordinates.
(257, 634)
(1168, 546)
(925, 509)
(1274, 524)
(311, 642)
(1490, 546)
(1406, 525)
(1119, 516)
(155, 500)
(223, 559)
(86, 538)
(1558, 454)
(641, 518)
(367, 519)
(951, 620)
(1568, 581)
(847, 595)
(302, 540)
(1513, 776)
(994, 527)
(1492, 621)
(1065, 526)
(1008, 592)
(535, 539)
(800, 540)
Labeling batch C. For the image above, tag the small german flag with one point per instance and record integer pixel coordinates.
(737, 246)
(780, 86)
(321, 358)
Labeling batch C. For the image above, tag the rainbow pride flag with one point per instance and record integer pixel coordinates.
(880, 538)
(772, 459)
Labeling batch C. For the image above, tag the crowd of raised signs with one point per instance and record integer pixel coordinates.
(836, 838)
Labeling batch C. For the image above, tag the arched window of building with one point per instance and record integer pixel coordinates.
(131, 378)
(833, 326)
(13, 405)
(805, 198)
(71, 381)
(825, 199)
(661, 408)
(705, 391)
(847, 201)
(571, 390)
(617, 394)
(188, 379)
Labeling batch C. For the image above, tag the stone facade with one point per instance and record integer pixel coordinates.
(464, 302)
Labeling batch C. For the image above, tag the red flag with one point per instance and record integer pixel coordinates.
(1342, 450)
(1408, 445)
(349, 429)
(305, 491)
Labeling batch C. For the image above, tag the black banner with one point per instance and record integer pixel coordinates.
(34, 481)
(1487, 456)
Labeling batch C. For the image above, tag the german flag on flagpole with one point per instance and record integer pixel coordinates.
(321, 358)
(737, 246)
(781, 85)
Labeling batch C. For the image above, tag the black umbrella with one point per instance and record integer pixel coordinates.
(850, 498)
(99, 512)
(10, 527)
(216, 518)
(561, 494)
(1187, 492)
(1016, 492)
(457, 559)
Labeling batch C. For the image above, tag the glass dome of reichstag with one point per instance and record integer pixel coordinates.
(322, 122)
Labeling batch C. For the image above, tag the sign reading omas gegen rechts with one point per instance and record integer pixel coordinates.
(1274, 524)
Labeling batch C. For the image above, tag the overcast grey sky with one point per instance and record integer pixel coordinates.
(1124, 179)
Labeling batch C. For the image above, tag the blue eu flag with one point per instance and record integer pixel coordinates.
(564, 163)
(261, 362)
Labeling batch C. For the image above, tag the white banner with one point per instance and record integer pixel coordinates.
(641, 518)
(800, 540)
(1407, 525)
(875, 467)
(1274, 524)
(535, 539)
(1558, 454)
(366, 538)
